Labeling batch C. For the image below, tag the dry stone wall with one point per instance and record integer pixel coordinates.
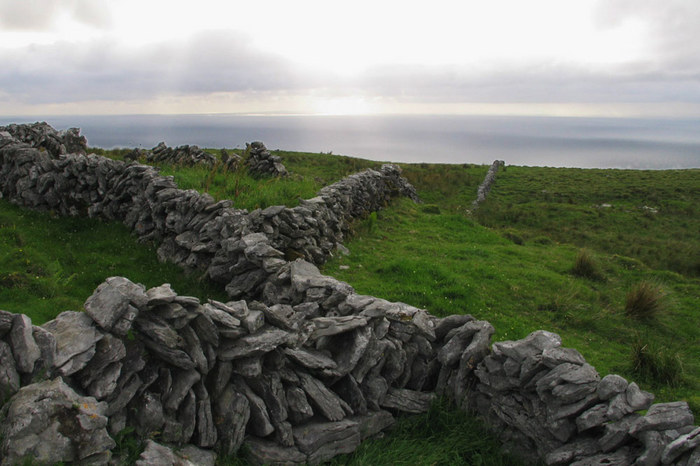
(237, 248)
(303, 369)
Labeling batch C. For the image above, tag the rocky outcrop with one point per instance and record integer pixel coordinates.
(262, 164)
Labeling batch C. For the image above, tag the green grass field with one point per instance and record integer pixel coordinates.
(511, 263)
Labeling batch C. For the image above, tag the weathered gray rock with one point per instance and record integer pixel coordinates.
(299, 408)
(24, 348)
(326, 326)
(409, 401)
(147, 411)
(259, 423)
(261, 342)
(324, 440)
(682, 444)
(265, 452)
(47, 348)
(161, 455)
(535, 343)
(109, 305)
(49, 422)
(9, 377)
(5, 322)
(311, 359)
(610, 386)
(76, 340)
(664, 416)
(327, 402)
(638, 399)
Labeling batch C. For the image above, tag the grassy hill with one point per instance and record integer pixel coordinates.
(555, 249)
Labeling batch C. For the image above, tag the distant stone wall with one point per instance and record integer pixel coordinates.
(304, 368)
(485, 186)
(237, 248)
(42, 136)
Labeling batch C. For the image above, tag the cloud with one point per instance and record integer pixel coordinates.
(217, 61)
(673, 33)
(41, 15)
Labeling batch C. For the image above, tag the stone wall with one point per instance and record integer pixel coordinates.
(486, 185)
(237, 248)
(42, 136)
(304, 368)
(305, 381)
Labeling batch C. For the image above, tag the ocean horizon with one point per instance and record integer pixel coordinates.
(583, 142)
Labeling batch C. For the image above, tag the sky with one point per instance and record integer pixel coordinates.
(514, 57)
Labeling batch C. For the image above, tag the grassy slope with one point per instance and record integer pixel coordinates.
(431, 255)
(519, 278)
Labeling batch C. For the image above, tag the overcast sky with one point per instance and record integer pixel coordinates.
(574, 57)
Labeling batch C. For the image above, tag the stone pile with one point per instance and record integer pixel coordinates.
(298, 383)
(546, 402)
(230, 162)
(42, 136)
(262, 164)
(485, 186)
(181, 155)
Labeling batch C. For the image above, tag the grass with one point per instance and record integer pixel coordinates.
(645, 300)
(656, 364)
(652, 216)
(51, 264)
(510, 264)
(586, 266)
(444, 435)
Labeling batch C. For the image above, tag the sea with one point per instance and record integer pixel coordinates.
(628, 143)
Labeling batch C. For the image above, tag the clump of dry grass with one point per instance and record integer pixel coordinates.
(645, 300)
(587, 267)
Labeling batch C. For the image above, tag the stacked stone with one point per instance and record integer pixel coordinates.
(29, 353)
(314, 229)
(194, 229)
(230, 162)
(488, 182)
(262, 164)
(43, 136)
(181, 155)
(299, 383)
(545, 401)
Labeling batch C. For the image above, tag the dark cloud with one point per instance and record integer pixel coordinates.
(208, 62)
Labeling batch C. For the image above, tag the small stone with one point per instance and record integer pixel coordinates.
(24, 348)
(258, 343)
(611, 385)
(638, 399)
(408, 401)
(325, 440)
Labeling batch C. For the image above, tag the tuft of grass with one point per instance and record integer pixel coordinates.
(129, 446)
(444, 435)
(645, 300)
(586, 266)
(656, 364)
